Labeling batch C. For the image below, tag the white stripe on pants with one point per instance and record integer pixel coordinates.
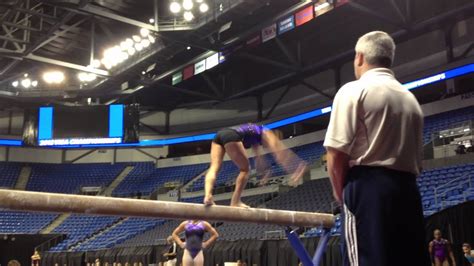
(351, 236)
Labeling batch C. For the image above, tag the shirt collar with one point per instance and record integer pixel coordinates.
(377, 72)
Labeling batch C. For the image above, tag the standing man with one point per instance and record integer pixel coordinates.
(468, 253)
(374, 144)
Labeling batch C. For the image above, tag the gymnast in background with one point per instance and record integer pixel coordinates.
(234, 141)
(194, 231)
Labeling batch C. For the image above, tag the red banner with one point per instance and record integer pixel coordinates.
(304, 16)
(188, 72)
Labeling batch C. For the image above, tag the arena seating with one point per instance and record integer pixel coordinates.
(69, 178)
(17, 222)
(445, 120)
(9, 174)
(79, 227)
(313, 196)
(146, 178)
(155, 236)
(127, 229)
(309, 152)
(452, 184)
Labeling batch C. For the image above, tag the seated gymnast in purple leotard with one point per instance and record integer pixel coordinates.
(194, 231)
(440, 250)
(234, 141)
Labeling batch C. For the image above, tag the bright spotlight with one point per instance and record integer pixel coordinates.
(203, 8)
(144, 32)
(145, 43)
(136, 38)
(138, 47)
(151, 20)
(15, 83)
(34, 83)
(131, 51)
(188, 48)
(95, 63)
(86, 77)
(175, 7)
(26, 83)
(188, 16)
(188, 4)
(151, 38)
(199, 1)
(53, 77)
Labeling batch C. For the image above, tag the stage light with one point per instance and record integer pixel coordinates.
(203, 8)
(34, 83)
(151, 20)
(95, 63)
(15, 83)
(25, 75)
(144, 32)
(143, 72)
(188, 16)
(131, 51)
(175, 7)
(188, 4)
(145, 43)
(199, 1)
(151, 39)
(138, 47)
(26, 83)
(53, 77)
(136, 38)
(86, 77)
(188, 48)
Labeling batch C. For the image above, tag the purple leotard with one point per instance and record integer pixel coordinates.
(251, 134)
(194, 236)
(440, 249)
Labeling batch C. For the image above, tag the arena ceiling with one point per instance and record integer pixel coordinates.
(66, 35)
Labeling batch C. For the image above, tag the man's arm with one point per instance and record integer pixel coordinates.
(338, 166)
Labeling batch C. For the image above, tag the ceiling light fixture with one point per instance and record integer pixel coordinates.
(203, 7)
(188, 4)
(188, 16)
(53, 77)
(175, 7)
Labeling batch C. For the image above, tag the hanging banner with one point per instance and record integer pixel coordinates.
(269, 32)
(188, 72)
(200, 67)
(253, 42)
(177, 78)
(304, 16)
(341, 2)
(212, 61)
(286, 24)
(322, 6)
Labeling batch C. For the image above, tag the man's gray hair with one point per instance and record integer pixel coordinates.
(377, 47)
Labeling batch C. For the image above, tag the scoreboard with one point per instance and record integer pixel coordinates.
(81, 125)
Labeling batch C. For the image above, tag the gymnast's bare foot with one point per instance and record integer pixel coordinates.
(298, 174)
(239, 204)
(209, 201)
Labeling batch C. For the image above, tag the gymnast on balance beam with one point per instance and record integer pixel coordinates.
(234, 141)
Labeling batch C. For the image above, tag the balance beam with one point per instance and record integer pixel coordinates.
(65, 203)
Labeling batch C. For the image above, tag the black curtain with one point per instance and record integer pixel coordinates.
(457, 225)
